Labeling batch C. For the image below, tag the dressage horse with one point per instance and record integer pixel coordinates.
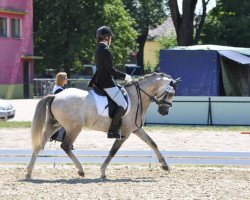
(74, 109)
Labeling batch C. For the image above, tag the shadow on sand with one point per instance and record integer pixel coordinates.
(88, 181)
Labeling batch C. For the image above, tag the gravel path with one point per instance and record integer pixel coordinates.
(125, 182)
(172, 140)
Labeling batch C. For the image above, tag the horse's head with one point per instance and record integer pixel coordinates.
(165, 93)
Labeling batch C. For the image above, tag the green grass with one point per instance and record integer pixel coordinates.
(195, 127)
(13, 124)
(10, 124)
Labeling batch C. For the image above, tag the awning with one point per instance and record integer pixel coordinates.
(237, 57)
(13, 11)
(27, 57)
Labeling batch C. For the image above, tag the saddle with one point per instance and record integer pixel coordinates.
(110, 104)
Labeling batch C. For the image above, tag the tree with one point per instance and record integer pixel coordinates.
(56, 29)
(184, 23)
(122, 25)
(147, 13)
(65, 31)
(228, 24)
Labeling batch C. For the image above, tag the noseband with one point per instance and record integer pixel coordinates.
(152, 99)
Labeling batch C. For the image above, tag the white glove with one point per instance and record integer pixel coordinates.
(128, 78)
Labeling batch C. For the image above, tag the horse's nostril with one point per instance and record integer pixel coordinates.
(163, 111)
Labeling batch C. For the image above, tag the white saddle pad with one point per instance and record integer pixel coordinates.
(101, 103)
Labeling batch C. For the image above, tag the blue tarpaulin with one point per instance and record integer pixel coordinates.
(198, 69)
(208, 70)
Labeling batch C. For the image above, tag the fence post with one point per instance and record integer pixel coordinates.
(209, 117)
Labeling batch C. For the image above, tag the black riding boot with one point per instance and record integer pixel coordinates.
(113, 131)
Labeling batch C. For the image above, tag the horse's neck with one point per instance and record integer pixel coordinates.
(149, 86)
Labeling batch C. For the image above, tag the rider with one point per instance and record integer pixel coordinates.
(103, 78)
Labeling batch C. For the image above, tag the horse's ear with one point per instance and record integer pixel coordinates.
(178, 80)
(175, 82)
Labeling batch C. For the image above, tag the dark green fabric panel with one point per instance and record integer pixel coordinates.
(236, 78)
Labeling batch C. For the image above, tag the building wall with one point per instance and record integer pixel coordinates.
(12, 49)
(150, 53)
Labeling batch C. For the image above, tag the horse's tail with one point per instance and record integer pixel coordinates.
(39, 121)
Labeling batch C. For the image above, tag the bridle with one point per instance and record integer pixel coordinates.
(160, 102)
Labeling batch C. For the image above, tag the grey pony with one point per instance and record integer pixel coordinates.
(74, 109)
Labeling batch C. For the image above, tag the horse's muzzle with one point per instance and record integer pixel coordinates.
(163, 110)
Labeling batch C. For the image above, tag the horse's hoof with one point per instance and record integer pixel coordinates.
(165, 167)
(103, 177)
(81, 174)
(28, 176)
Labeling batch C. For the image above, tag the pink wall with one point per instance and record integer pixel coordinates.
(11, 49)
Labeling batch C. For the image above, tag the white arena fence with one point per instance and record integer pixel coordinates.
(186, 110)
(131, 156)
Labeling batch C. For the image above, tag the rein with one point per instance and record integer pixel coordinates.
(137, 87)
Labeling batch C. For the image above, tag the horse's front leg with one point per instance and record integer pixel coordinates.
(144, 136)
(116, 146)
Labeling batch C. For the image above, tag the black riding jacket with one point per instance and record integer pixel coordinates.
(105, 71)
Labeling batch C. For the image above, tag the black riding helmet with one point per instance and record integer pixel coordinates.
(103, 31)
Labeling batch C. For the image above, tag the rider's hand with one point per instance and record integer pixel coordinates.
(128, 78)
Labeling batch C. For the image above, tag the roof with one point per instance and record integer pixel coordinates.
(166, 29)
(237, 57)
(238, 54)
(241, 50)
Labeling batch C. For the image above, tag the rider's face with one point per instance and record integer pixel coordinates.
(108, 39)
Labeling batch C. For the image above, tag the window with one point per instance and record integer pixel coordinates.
(16, 28)
(3, 27)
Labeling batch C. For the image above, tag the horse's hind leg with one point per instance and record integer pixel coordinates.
(32, 163)
(51, 127)
(116, 146)
(67, 147)
(144, 136)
